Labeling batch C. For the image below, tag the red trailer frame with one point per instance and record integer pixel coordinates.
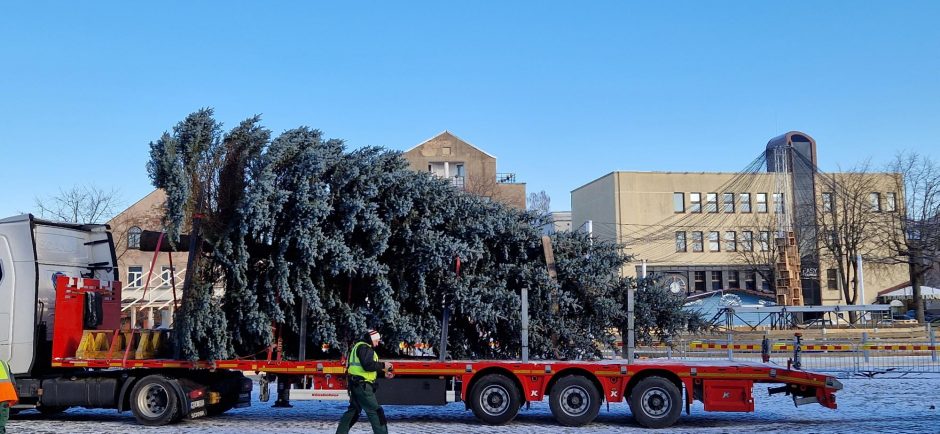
(575, 388)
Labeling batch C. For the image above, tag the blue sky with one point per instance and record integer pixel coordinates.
(560, 92)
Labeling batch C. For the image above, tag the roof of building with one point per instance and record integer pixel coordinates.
(131, 206)
(448, 133)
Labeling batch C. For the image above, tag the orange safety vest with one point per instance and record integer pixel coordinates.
(7, 391)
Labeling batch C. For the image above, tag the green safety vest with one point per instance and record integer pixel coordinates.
(355, 368)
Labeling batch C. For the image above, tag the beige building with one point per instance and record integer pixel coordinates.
(467, 167)
(147, 297)
(715, 231)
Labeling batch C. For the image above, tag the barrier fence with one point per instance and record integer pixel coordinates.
(866, 354)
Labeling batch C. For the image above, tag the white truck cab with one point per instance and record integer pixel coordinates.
(33, 253)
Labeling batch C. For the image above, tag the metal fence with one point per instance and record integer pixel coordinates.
(866, 354)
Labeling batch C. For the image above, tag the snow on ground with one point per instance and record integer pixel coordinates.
(865, 405)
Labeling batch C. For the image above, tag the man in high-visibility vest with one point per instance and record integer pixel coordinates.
(7, 395)
(363, 367)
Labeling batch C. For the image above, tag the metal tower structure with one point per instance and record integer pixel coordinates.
(789, 290)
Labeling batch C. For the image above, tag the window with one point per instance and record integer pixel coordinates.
(827, 202)
(695, 202)
(778, 203)
(747, 241)
(833, 238)
(678, 202)
(765, 285)
(727, 202)
(133, 237)
(711, 202)
(713, 242)
(699, 280)
(135, 276)
(166, 275)
(733, 280)
(680, 242)
(891, 202)
(875, 200)
(459, 170)
(764, 239)
(832, 281)
(745, 199)
(731, 241)
(716, 280)
(750, 280)
(761, 202)
(697, 243)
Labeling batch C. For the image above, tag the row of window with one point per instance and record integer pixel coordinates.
(732, 241)
(750, 280)
(135, 276)
(734, 280)
(876, 203)
(728, 203)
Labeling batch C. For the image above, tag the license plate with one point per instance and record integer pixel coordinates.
(195, 414)
(197, 404)
(244, 396)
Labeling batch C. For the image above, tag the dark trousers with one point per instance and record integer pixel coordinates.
(362, 397)
(4, 415)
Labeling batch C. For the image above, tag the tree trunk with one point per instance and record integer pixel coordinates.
(916, 272)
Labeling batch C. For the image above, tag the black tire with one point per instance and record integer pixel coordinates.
(154, 401)
(574, 401)
(49, 410)
(495, 399)
(656, 402)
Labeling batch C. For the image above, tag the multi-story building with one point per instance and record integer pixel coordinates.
(716, 231)
(147, 296)
(469, 168)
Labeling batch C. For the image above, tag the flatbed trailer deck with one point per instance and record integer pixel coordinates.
(69, 349)
(497, 388)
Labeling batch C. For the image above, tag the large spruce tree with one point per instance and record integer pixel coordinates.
(360, 241)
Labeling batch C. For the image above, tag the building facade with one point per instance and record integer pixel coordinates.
(713, 231)
(147, 296)
(467, 167)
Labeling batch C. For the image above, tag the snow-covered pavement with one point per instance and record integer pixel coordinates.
(878, 405)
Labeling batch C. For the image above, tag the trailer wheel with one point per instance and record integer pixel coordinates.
(154, 401)
(495, 399)
(574, 401)
(655, 402)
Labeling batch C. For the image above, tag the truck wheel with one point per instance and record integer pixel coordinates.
(154, 401)
(574, 401)
(495, 399)
(655, 402)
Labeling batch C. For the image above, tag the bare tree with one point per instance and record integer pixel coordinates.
(80, 204)
(540, 203)
(912, 232)
(757, 248)
(848, 224)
